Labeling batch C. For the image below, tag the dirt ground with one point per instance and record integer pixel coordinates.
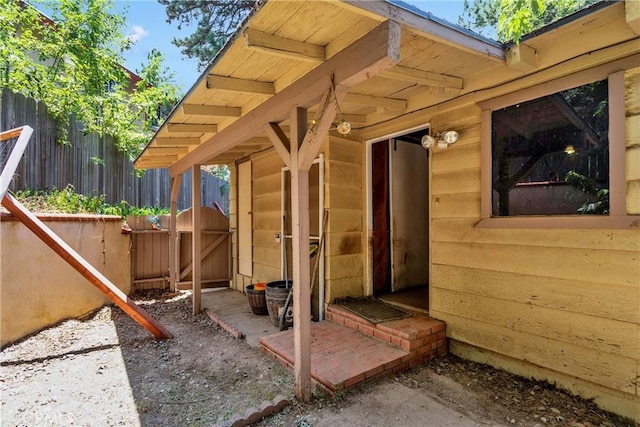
(106, 370)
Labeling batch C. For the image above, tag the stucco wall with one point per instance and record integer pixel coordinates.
(39, 289)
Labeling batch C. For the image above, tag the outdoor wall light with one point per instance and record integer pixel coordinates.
(570, 150)
(442, 139)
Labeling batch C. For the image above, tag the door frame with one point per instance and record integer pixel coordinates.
(369, 204)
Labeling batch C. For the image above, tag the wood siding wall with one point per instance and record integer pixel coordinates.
(555, 304)
(47, 164)
(344, 198)
(632, 139)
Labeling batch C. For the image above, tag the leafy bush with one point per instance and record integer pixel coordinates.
(69, 201)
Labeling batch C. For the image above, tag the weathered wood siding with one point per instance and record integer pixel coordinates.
(91, 164)
(344, 198)
(557, 304)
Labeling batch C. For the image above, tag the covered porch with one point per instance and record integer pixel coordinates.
(346, 349)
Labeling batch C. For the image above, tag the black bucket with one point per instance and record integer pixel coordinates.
(276, 297)
(257, 300)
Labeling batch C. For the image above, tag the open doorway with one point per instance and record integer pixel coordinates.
(399, 221)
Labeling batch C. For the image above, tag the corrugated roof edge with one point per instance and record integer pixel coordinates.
(430, 16)
(587, 10)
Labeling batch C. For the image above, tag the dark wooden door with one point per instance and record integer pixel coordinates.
(381, 229)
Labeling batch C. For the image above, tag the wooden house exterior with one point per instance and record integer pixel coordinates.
(555, 296)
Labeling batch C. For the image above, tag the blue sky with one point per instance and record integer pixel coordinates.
(146, 23)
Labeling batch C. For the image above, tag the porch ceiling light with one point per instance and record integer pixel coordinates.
(344, 127)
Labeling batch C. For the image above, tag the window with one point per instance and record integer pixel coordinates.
(550, 155)
(553, 155)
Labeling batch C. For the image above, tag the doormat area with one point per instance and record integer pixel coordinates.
(373, 310)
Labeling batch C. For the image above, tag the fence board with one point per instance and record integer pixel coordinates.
(47, 164)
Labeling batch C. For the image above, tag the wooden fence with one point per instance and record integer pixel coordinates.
(92, 164)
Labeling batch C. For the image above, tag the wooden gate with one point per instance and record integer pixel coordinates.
(216, 249)
(150, 251)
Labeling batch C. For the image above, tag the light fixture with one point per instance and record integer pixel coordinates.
(344, 127)
(570, 150)
(428, 142)
(442, 139)
(449, 136)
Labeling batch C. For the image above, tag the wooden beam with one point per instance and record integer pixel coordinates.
(158, 158)
(164, 151)
(428, 26)
(280, 46)
(301, 267)
(375, 101)
(322, 123)
(632, 12)
(280, 142)
(210, 110)
(14, 156)
(366, 57)
(353, 118)
(240, 85)
(177, 142)
(521, 57)
(174, 257)
(89, 272)
(150, 165)
(196, 238)
(426, 78)
(191, 127)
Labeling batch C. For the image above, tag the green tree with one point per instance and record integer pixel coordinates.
(512, 19)
(72, 64)
(215, 22)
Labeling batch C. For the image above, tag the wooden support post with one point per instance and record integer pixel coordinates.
(89, 272)
(196, 238)
(176, 181)
(301, 267)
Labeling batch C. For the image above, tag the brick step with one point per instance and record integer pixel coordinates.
(347, 350)
(418, 333)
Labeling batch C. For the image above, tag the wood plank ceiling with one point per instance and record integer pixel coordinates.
(284, 40)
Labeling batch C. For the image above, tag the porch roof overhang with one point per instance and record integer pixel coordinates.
(288, 54)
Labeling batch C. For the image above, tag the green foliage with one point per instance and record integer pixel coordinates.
(599, 203)
(215, 23)
(72, 65)
(69, 201)
(515, 18)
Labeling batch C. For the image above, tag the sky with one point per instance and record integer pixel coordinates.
(146, 24)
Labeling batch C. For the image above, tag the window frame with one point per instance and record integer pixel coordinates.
(617, 217)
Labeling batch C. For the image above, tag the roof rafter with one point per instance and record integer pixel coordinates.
(427, 78)
(191, 127)
(280, 46)
(375, 101)
(240, 85)
(176, 142)
(210, 110)
(376, 51)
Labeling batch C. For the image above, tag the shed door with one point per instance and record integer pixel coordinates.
(245, 224)
(409, 215)
(381, 231)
